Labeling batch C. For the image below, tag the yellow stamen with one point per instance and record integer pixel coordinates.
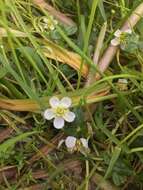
(60, 111)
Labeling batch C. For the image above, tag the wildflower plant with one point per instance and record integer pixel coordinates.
(58, 47)
(59, 111)
(122, 84)
(49, 23)
(45, 24)
(74, 144)
(127, 40)
(120, 38)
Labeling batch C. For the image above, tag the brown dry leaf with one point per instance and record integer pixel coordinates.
(5, 133)
(60, 54)
(3, 33)
(19, 105)
(31, 105)
(54, 51)
(39, 174)
(72, 165)
(34, 187)
(8, 171)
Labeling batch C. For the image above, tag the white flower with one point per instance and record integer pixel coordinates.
(122, 84)
(59, 111)
(73, 144)
(50, 23)
(120, 36)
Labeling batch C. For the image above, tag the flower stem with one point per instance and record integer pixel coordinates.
(87, 175)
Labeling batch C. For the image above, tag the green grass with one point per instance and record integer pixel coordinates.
(113, 122)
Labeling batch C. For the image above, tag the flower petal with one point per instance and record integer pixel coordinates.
(55, 22)
(128, 31)
(49, 114)
(115, 42)
(45, 19)
(54, 102)
(52, 27)
(123, 46)
(84, 142)
(123, 81)
(70, 142)
(66, 102)
(69, 116)
(118, 33)
(59, 122)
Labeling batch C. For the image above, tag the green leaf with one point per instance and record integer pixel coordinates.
(11, 142)
(118, 179)
(102, 10)
(113, 160)
(3, 72)
(70, 30)
(131, 43)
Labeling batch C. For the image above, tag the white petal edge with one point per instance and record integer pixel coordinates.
(84, 142)
(59, 122)
(118, 33)
(69, 116)
(45, 20)
(123, 81)
(70, 142)
(122, 46)
(52, 27)
(55, 22)
(54, 102)
(66, 102)
(49, 114)
(128, 31)
(115, 42)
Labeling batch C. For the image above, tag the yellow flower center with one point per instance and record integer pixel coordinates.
(60, 111)
(123, 37)
(50, 23)
(78, 145)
